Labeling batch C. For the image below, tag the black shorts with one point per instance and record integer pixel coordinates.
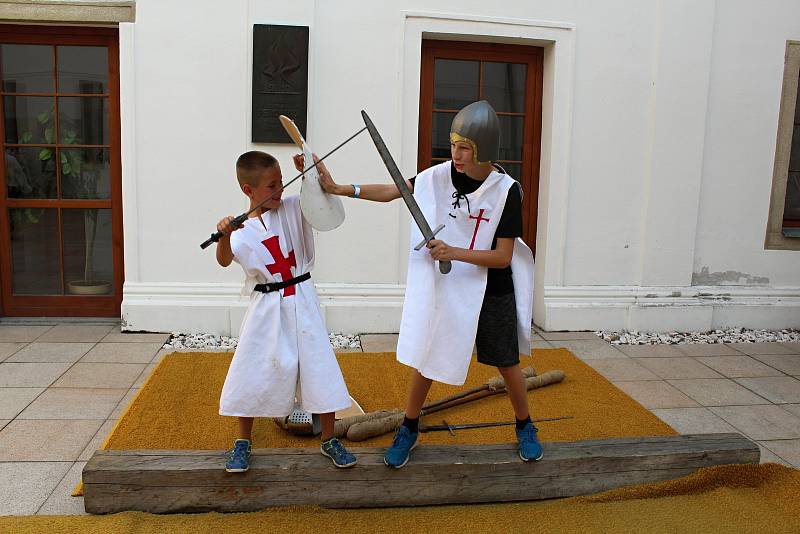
(496, 340)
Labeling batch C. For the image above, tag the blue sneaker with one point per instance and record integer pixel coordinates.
(404, 442)
(334, 450)
(529, 446)
(238, 457)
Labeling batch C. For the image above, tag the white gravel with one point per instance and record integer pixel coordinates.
(209, 341)
(729, 335)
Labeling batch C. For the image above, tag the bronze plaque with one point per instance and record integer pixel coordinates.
(280, 80)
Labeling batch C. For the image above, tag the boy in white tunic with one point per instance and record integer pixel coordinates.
(283, 352)
(487, 297)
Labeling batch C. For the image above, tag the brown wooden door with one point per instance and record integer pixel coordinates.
(455, 74)
(60, 177)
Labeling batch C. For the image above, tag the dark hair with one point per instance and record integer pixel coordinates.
(251, 164)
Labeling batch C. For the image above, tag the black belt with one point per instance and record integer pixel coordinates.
(275, 286)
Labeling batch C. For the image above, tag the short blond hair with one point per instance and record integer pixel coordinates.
(251, 164)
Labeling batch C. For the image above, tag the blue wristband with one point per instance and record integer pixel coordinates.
(356, 191)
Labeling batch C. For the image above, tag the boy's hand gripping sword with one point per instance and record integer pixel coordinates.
(400, 182)
(239, 220)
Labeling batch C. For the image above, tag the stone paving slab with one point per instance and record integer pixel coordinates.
(61, 501)
(792, 408)
(26, 485)
(787, 449)
(38, 352)
(776, 389)
(541, 345)
(7, 349)
(793, 346)
(787, 363)
(706, 349)
(73, 403)
(621, 369)
(656, 394)
(4, 422)
(71, 333)
(677, 368)
(738, 366)
(122, 353)
(116, 336)
(101, 375)
(590, 349)
(761, 422)
(98, 440)
(650, 351)
(693, 420)
(123, 404)
(22, 333)
(769, 457)
(717, 392)
(379, 342)
(752, 349)
(30, 375)
(14, 400)
(46, 441)
(145, 374)
(567, 336)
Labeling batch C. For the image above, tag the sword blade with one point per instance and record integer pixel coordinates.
(435, 428)
(400, 182)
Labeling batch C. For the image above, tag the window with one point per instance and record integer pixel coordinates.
(783, 227)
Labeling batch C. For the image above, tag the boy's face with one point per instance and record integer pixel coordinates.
(268, 188)
(463, 158)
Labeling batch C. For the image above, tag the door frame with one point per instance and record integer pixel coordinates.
(67, 305)
(533, 56)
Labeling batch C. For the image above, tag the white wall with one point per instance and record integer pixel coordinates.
(658, 137)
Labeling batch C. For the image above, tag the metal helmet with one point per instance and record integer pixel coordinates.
(478, 125)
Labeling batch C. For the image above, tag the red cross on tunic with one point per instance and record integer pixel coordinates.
(478, 220)
(283, 265)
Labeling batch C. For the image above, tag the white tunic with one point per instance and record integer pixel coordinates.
(283, 345)
(440, 313)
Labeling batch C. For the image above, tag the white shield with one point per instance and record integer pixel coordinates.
(324, 212)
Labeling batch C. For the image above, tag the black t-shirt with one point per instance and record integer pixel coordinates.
(498, 281)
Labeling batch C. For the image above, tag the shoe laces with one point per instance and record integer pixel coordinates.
(336, 448)
(402, 437)
(239, 451)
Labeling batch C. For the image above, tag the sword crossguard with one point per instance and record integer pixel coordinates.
(433, 234)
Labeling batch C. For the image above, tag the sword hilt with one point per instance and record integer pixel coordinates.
(444, 265)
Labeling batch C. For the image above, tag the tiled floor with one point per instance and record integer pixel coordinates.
(63, 386)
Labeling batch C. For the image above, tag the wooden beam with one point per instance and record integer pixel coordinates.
(195, 481)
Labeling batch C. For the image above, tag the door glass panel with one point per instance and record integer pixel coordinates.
(82, 69)
(511, 130)
(85, 173)
(83, 120)
(455, 83)
(440, 134)
(35, 251)
(29, 119)
(88, 256)
(30, 172)
(514, 170)
(27, 68)
(504, 86)
(791, 208)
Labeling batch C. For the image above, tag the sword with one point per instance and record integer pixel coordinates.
(451, 428)
(408, 198)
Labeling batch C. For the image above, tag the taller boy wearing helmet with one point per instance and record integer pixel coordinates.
(487, 297)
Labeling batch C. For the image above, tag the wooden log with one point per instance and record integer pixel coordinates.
(195, 481)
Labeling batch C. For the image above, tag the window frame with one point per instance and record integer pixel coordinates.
(775, 238)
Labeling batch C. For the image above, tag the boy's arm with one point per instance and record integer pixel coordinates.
(374, 192)
(499, 258)
(224, 252)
